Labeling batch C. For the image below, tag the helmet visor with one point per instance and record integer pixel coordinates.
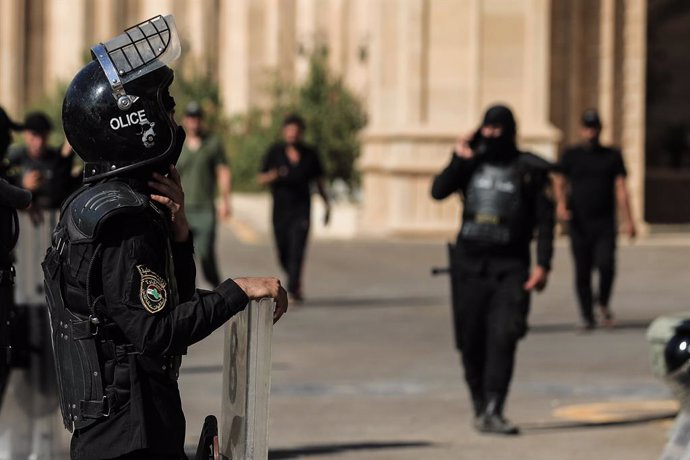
(144, 48)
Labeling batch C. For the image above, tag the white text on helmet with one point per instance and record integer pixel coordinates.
(134, 118)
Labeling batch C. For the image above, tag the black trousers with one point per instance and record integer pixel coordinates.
(490, 318)
(291, 233)
(594, 247)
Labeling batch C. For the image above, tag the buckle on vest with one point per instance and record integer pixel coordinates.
(95, 409)
(94, 322)
(85, 329)
(106, 402)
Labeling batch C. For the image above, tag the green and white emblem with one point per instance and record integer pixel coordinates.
(152, 292)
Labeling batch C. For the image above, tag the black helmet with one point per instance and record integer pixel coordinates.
(677, 351)
(116, 113)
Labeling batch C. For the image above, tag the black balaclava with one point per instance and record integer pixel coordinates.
(502, 147)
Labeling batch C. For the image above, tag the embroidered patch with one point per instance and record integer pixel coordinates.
(152, 291)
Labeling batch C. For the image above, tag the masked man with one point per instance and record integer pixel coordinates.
(505, 193)
(120, 273)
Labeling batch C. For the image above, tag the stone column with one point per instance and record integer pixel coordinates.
(233, 59)
(306, 31)
(12, 55)
(634, 102)
(473, 64)
(195, 34)
(536, 131)
(607, 61)
(105, 21)
(402, 151)
(279, 38)
(151, 8)
(65, 43)
(337, 35)
(358, 48)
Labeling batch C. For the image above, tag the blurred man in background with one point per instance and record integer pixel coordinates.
(43, 170)
(590, 188)
(205, 171)
(506, 200)
(289, 167)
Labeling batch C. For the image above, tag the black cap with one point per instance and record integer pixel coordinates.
(193, 109)
(499, 114)
(590, 118)
(37, 122)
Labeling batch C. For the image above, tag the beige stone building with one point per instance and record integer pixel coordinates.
(425, 70)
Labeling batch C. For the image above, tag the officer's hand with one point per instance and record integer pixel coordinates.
(172, 196)
(537, 279)
(562, 212)
(261, 288)
(32, 180)
(462, 146)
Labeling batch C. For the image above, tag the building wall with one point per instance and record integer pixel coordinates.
(425, 69)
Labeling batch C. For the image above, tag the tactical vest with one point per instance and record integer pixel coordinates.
(84, 340)
(493, 205)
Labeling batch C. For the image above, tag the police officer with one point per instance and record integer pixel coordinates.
(120, 273)
(506, 198)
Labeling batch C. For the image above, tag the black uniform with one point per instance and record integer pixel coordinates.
(292, 205)
(122, 292)
(505, 200)
(592, 173)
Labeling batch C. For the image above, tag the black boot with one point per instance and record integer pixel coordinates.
(492, 420)
(478, 406)
(477, 402)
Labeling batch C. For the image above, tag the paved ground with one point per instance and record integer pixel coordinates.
(365, 369)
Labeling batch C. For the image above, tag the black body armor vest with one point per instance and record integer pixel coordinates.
(493, 204)
(85, 342)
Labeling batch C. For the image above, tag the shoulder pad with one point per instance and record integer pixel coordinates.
(95, 204)
(536, 162)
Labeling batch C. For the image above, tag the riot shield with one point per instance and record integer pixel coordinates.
(9, 232)
(6, 302)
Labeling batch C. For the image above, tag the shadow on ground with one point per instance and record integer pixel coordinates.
(572, 327)
(373, 301)
(334, 449)
(547, 427)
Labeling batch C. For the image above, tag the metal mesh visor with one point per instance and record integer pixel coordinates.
(144, 48)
